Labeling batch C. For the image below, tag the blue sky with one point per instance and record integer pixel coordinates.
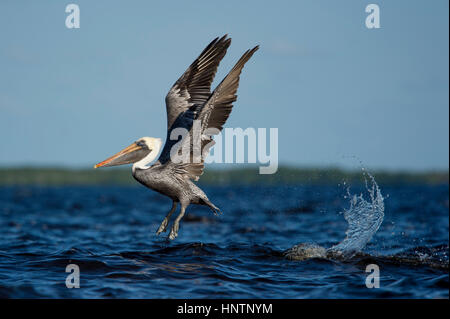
(335, 89)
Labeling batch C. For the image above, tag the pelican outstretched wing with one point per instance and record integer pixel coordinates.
(216, 110)
(193, 88)
(213, 115)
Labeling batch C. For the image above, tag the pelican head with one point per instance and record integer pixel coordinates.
(139, 153)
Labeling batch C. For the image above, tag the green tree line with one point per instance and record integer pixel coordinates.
(249, 175)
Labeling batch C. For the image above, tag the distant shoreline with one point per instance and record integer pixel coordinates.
(285, 175)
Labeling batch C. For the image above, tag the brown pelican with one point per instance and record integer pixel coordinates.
(189, 100)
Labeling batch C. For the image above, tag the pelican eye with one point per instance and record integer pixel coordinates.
(141, 144)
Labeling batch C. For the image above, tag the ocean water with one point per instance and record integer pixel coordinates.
(295, 241)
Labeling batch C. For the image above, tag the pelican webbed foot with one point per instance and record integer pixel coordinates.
(174, 231)
(176, 224)
(165, 222)
(163, 226)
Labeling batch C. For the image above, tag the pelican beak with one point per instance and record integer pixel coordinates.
(128, 155)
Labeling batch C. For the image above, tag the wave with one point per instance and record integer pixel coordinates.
(418, 256)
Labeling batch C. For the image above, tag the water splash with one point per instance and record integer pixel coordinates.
(364, 217)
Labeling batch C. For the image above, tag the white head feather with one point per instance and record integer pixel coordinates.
(154, 145)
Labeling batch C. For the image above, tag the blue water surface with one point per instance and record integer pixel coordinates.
(109, 232)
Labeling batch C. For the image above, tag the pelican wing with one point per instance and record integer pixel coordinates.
(218, 107)
(193, 88)
(213, 116)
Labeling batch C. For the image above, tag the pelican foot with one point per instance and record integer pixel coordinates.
(163, 226)
(174, 231)
(217, 212)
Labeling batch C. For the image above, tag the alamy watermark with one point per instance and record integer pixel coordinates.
(73, 19)
(373, 19)
(373, 279)
(194, 146)
(73, 279)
